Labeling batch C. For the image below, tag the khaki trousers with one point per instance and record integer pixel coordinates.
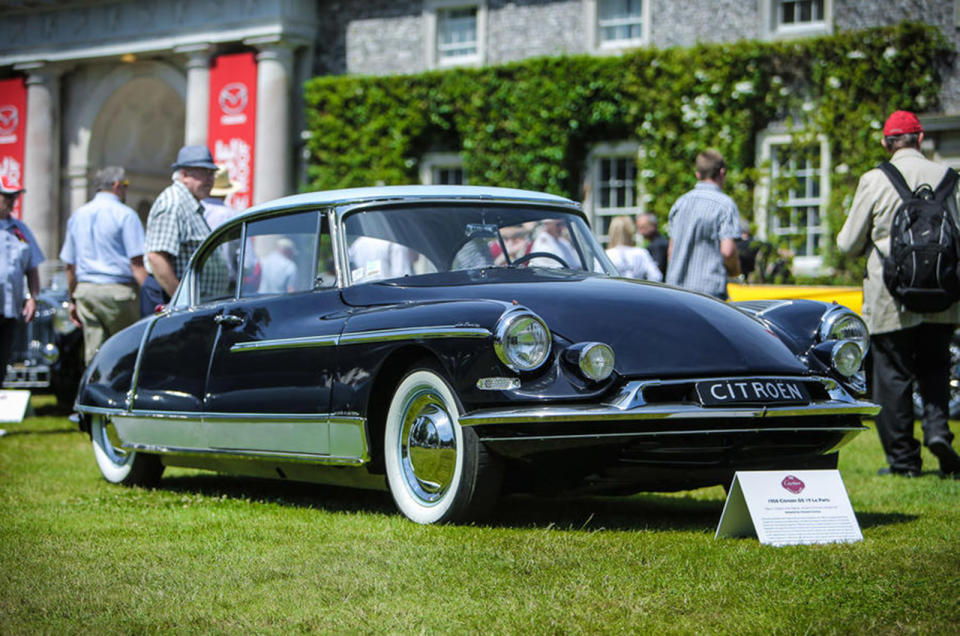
(105, 309)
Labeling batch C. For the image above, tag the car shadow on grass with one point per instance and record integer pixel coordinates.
(638, 512)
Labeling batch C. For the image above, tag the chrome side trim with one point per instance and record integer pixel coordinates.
(414, 333)
(837, 429)
(285, 343)
(332, 460)
(359, 337)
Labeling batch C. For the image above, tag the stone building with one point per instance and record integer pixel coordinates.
(128, 82)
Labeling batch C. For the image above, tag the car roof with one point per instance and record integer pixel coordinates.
(352, 196)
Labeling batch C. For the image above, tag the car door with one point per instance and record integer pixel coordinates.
(175, 359)
(272, 366)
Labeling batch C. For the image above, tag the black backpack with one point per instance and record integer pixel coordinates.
(921, 270)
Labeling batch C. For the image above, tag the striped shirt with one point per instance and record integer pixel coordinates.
(699, 220)
(176, 226)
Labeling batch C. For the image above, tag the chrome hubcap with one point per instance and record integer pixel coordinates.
(428, 446)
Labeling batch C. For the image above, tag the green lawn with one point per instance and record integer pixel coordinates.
(206, 554)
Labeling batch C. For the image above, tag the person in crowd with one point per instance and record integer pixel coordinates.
(175, 225)
(279, 269)
(20, 255)
(215, 209)
(653, 241)
(376, 259)
(704, 224)
(551, 239)
(907, 347)
(103, 251)
(632, 261)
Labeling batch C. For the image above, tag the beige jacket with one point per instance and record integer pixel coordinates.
(868, 224)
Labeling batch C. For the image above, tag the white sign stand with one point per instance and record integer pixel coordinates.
(13, 405)
(782, 507)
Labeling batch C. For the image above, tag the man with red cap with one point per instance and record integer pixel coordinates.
(908, 347)
(19, 257)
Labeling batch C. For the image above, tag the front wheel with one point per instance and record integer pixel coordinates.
(120, 466)
(437, 470)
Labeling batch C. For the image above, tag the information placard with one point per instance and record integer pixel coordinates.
(789, 508)
(13, 405)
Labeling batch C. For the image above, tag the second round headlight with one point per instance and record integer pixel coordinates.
(522, 341)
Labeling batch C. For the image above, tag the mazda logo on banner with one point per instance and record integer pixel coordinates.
(9, 120)
(233, 101)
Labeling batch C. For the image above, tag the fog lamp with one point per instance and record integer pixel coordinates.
(595, 360)
(846, 357)
(61, 320)
(50, 353)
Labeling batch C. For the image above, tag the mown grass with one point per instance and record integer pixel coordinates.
(211, 554)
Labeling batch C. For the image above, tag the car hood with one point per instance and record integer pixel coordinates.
(655, 330)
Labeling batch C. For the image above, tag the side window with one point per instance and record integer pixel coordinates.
(281, 254)
(216, 277)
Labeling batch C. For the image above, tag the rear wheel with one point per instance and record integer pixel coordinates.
(437, 470)
(120, 466)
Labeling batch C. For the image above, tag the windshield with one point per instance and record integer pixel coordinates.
(431, 238)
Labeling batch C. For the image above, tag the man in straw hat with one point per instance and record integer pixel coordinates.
(19, 257)
(216, 210)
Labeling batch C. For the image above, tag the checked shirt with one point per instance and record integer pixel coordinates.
(176, 226)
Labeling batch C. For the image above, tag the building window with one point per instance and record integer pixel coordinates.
(800, 17)
(611, 188)
(442, 168)
(793, 203)
(620, 21)
(455, 32)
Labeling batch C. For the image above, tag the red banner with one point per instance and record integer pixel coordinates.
(232, 122)
(13, 131)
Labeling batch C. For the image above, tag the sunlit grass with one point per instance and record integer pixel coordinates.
(206, 553)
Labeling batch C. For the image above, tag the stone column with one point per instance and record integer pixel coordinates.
(198, 93)
(41, 172)
(272, 176)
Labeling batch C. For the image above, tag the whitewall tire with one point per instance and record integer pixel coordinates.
(117, 465)
(437, 470)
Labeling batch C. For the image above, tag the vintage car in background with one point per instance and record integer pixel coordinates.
(452, 344)
(48, 354)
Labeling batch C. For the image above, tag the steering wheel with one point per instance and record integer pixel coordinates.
(527, 257)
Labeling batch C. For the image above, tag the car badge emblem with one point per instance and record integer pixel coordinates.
(9, 119)
(793, 484)
(233, 98)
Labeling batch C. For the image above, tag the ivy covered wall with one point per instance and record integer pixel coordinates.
(531, 124)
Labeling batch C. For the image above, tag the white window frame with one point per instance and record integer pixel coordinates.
(431, 11)
(810, 265)
(591, 205)
(770, 14)
(433, 161)
(596, 44)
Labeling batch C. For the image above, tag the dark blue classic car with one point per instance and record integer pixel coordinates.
(452, 344)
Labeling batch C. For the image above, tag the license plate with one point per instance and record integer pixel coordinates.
(752, 391)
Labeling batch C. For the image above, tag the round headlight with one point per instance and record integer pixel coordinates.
(50, 353)
(596, 361)
(522, 341)
(840, 323)
(846, 357)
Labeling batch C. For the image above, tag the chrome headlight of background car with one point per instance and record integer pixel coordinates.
(841, 323)
(522, 340)
(61, 319)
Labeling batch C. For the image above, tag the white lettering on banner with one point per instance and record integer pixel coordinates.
(235, 154)
(10, 167)
(9, 120)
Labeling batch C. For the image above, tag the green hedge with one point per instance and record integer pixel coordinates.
(531, 124)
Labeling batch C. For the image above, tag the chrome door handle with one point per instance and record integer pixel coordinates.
(228, 320)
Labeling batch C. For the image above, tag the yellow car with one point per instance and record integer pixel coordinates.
(851, 297)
